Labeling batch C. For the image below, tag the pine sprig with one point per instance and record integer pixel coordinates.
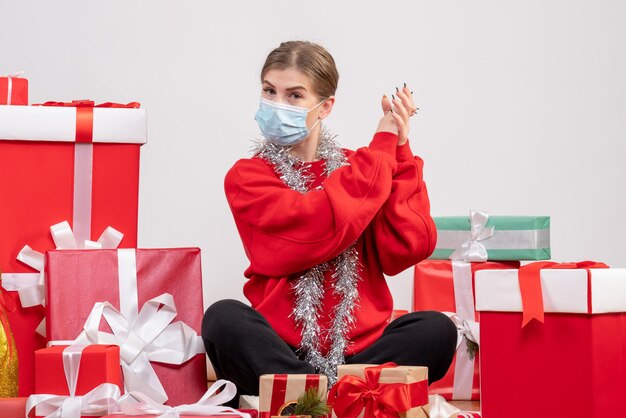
(310, 403)
(472, 348)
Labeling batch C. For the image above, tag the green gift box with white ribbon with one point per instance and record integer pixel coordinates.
(480, 237)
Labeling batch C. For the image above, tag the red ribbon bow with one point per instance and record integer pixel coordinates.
(351, 395)
(91, 103)
(84, 115)
(530, 285)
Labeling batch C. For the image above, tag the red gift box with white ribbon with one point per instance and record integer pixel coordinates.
(13, 89)
(74, 381)
(553, 340)
(65, 162)
(148, 301)
(447, 286)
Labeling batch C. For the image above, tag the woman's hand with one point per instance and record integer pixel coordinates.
(388, 122)
(403, 108)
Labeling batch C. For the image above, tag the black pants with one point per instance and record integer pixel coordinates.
(242, 345)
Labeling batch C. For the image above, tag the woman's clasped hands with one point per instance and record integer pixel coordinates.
(397, 112)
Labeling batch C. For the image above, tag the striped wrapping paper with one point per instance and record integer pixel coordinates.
(276, 390)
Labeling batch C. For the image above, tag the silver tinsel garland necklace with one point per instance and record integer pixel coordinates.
(309, 287)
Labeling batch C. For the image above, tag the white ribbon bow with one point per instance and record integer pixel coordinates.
(439, 408)
(151, 336)
(467, 329)
(14, 75)
(103, 399)
(137, 403)
(472, 249)
(30, 286)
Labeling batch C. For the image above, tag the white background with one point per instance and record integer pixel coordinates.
(523, 103)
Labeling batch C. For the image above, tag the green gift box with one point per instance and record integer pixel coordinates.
(480, 237)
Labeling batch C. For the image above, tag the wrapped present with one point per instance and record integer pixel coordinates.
(447, 286)
(131, 297)
(58, 163)
(570, 351)
(139, 405)
(481, 237)
(385, 391)
(72, 381)
(97, 363)
(279, 390)
(13, 89)
(14, 408)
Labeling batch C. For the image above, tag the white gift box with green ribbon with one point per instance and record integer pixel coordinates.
(480, 237)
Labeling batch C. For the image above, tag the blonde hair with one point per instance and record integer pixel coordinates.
(311, 59)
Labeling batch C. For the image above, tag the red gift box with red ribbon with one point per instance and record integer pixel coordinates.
(379, 391)
(13, 90)
(555, 334)
(448, 286)
(77, 163)
(149, 301)
(278, 390)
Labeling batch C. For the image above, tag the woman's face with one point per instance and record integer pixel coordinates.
(293, 87)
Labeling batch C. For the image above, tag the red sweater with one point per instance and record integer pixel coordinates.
(379, 200)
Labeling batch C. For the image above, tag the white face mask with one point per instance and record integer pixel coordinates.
(283, 124)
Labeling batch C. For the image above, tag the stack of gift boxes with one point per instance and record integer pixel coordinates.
(72, 276)
(542, 339)
(445, 282)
